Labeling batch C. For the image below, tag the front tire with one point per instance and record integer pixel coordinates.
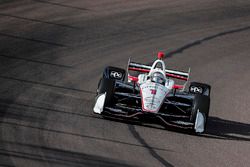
(107, 86)
(200, 112)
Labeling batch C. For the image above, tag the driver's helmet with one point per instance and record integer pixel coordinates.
(158, 77)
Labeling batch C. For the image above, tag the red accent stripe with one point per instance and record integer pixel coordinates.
(132, 78)
(178, 86)
(167, 74)
(176, 76)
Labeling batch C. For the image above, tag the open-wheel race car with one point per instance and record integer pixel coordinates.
(153, 94)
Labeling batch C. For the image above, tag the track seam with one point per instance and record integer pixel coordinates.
(35, 61)
(46, 84)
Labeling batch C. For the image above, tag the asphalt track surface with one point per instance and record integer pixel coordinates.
(52, 54)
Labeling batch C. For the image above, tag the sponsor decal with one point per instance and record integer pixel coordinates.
(195, 89)
(115, 74)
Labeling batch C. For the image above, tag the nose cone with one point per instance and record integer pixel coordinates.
(160, 55)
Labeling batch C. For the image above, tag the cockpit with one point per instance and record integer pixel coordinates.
(158, 77)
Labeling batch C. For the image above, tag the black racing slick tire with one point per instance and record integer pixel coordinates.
(201, 103)
(107, 86)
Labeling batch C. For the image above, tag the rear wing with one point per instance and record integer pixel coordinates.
(180, 75)
(132, 66)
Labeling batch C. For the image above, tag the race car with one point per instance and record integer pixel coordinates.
(152, 93)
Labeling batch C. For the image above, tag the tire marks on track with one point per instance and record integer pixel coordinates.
(9, 104)
(47, 84)
(146, 145)
(205, 39)
(32, 40)
(82, 136)
(35, 61)
(61, 5)
(38, 21)
(60, 157)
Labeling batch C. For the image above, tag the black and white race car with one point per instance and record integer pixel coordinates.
(153, 95)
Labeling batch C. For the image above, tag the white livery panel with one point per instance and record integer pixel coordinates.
(152, 96)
